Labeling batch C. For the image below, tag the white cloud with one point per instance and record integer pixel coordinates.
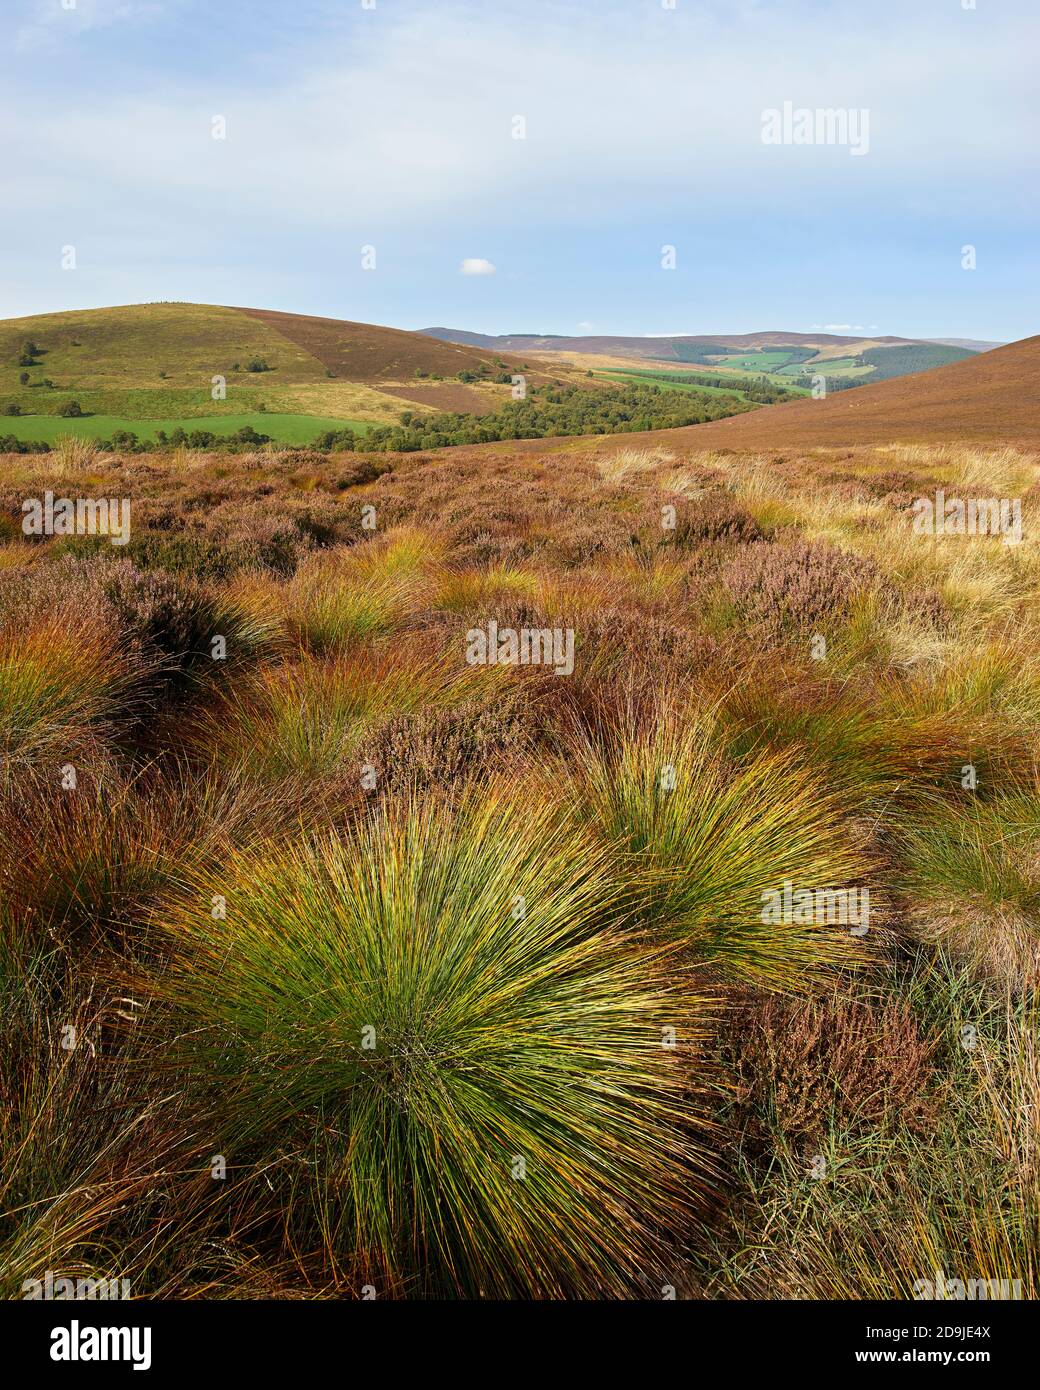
(476, 265)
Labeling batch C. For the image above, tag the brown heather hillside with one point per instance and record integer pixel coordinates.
(993, 397)
(368, 352)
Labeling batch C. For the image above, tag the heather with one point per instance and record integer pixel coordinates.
(334, 957)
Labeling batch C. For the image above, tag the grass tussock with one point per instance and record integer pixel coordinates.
(449, 1000)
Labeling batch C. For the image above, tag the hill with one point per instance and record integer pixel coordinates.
(157, 363)
(990, 397)
(367, 352)
(972, 344)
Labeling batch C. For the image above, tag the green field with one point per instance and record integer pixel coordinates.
(666, 380)
(829, 366)
(654, 379)
(286, 429)
(757, 361)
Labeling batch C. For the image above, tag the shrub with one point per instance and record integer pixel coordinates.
(784, 587)
(444, 748)
(802, 1066)
(70, 410)
(178, 621)
(714, 517)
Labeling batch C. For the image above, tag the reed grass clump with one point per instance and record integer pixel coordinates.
(455, 1002)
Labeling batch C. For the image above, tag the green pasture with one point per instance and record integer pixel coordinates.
(286, 429)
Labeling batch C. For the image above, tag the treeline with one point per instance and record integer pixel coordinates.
(834, 383)
(127, 442)
(546, 412)
(889, 362)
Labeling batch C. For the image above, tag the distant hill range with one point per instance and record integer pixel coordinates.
(972, 344)
(775, 352)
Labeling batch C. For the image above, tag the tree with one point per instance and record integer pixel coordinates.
(70, 410)
(23, 377)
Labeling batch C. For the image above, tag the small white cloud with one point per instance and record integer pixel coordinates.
(844, 328)
(476, 265)
(586, 327)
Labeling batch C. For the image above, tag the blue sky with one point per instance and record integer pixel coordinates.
(392, 127)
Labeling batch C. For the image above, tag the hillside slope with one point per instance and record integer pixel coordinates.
(992, 397)
(367, 352)
(158, 362)
(128, 345)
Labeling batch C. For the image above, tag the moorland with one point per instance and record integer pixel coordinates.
(334, 960)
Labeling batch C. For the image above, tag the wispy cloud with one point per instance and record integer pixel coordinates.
(48, 23)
